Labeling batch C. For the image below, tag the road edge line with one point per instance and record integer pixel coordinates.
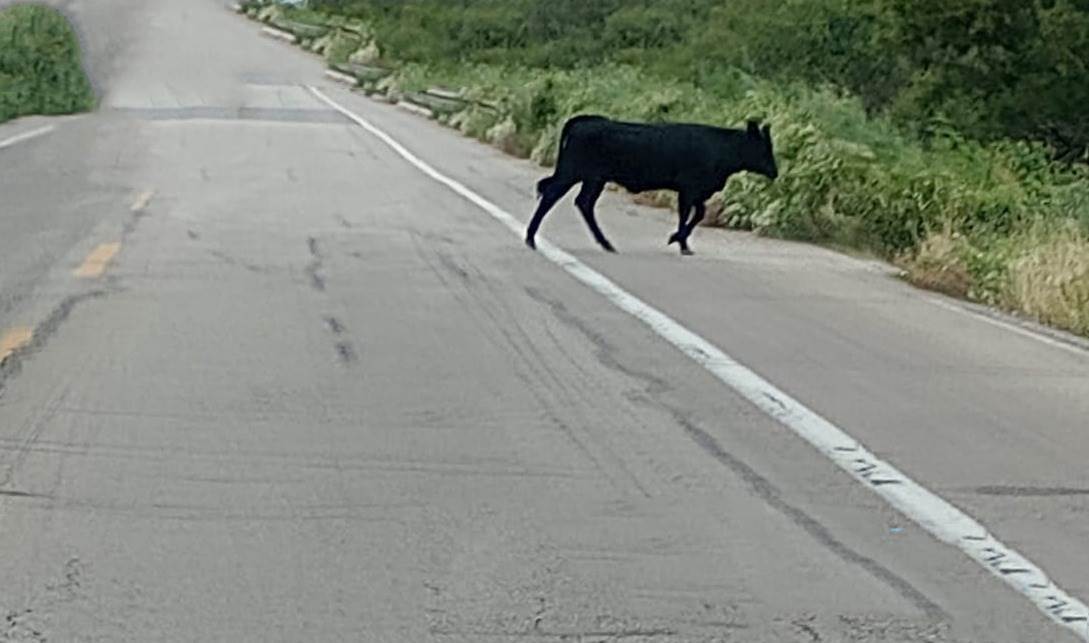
(1054, 338)
(26, 136)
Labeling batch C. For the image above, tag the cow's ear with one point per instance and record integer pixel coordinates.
(767, 132)
(754, 128)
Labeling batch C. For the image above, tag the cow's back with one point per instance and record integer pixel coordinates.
(639, 156)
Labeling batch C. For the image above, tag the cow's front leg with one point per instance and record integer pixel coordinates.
(588, 196)
(551, 192)
(701, 210)
(684, 206)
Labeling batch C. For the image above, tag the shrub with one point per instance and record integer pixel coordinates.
(40, 70)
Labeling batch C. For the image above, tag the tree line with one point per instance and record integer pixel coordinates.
(988, 69)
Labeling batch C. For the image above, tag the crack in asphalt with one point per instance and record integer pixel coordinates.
(13, 365)
(1030, 492)
(313, 269)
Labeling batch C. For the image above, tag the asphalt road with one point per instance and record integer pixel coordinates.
(279, 385)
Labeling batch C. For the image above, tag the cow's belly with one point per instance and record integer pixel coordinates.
(639, 179)
(640, 186)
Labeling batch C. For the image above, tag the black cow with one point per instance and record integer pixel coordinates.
(692, 160)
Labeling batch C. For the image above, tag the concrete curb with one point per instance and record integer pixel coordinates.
(279, 34)
(341, 77)
(415, 109)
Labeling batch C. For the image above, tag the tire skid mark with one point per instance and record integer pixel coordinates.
(343, 348)
(334, 325)
(654, 446)
(238, 263)
(479, 298)
(24, 439)
(363, 462)
(345, 352)
(314, 268)
(12, 365)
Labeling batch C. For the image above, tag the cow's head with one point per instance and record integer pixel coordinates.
(759, 153)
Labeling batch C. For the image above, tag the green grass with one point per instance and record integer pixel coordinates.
(40, 71)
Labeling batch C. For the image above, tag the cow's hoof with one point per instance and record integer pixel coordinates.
(673, 238)
(531, 243)
(686, 252)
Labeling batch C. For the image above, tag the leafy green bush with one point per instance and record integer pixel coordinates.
(40, 69)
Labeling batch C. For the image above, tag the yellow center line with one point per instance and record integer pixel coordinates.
(13, 340)
(142, 200)
(95, 264)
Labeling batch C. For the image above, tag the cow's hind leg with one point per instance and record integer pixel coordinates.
(701, 210)
(588, 196)
(684, 206)
(551, 190)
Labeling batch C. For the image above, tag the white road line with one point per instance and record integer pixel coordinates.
(1012, 327)
(26, 136)
(931, 512)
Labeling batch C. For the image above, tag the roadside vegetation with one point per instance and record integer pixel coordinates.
(950, 139)
(40, 71)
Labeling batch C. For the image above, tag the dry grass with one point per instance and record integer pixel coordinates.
(939, 266)
(1050, 282)
(657, 199)
(1046, 278)
(668, 200)
(504, 135)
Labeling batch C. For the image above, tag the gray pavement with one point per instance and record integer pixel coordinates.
(317, 396)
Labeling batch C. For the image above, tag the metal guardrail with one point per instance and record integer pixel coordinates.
(366, 73)
(458, 96)
(435, 100)
(446, 94)
(301, 29)
(437, 104)
(358, 31)
(446, 101)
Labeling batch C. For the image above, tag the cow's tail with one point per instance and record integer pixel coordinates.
(565, 134)
(543, 184)
(565, 137)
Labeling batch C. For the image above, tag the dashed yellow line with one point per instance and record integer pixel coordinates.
(142, 200)
(96, 263)
(13, 340)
